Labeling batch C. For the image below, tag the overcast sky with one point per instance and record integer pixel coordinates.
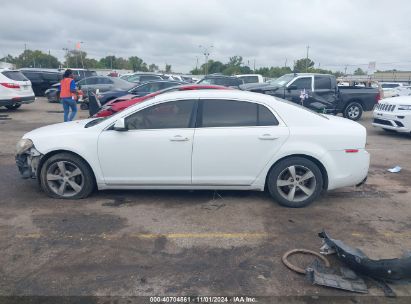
(339, 33)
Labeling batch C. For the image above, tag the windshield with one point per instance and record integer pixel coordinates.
(282, 81)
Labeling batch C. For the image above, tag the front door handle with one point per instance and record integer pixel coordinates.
(267, 137)
(178, 138)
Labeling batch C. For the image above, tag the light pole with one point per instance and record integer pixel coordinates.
(306, 60)
(206, 52)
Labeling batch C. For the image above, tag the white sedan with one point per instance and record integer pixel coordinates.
(205, 139)
(393, 114)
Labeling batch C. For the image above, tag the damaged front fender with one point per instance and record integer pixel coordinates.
(28, 162)
(355, 259)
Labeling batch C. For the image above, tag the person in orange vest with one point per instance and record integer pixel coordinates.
(68, 95)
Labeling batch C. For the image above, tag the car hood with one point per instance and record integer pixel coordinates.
(401, 100)
(60, 128)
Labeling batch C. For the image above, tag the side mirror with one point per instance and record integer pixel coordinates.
(120, 125)
(292, 87)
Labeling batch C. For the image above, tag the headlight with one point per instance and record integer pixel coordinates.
(23, 145)
(404, 107)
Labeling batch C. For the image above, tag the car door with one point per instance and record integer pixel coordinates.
(294, 90)
(324, 95)
(156, 149)
(233, 141)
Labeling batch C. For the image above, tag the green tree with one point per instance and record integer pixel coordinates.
(36, 59)
(137, 64)
(152, 68)
(9, 59)
(359, 71)
(303, 65)
(75, 59)
(168, 68)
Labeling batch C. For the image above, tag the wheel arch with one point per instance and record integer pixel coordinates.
(54, 152)
(357, 100)
(311, 158)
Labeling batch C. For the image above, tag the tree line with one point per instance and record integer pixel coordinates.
(234, 66)
(79, 59)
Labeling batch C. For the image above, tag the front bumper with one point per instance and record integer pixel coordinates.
(355, 259)
(397, 121)
(17, 100)
(28, 162)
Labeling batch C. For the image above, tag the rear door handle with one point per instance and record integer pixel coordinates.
(178, 138)
(267, 137)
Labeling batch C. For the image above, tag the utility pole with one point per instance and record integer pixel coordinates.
(206, 52)
(254, 65)
(345, 71)
(306, 61)
(285, 63)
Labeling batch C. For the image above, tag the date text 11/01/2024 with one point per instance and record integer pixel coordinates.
(205, 299)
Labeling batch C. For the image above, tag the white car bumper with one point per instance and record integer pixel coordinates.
(399, 121)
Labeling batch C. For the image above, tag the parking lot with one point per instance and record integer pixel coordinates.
(188, 242)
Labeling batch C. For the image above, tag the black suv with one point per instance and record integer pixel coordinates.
(42, 79)
(227, 81)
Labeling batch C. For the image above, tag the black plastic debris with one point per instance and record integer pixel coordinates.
(355, 259)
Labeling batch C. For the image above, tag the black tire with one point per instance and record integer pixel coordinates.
(300, 164)
(87, 181)
(13, 107)
(353, 111)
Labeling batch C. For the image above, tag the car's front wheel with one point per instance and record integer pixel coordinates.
(295, 182)
(66, 176)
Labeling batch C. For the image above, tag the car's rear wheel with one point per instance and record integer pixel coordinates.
(295, 182)
(13, 107)
(353, 111)
(66, 176)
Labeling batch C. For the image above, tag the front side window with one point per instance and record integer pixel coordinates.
(233, 113)
(303, 83)
(168, 115)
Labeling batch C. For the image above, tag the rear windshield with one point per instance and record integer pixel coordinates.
(15, 75)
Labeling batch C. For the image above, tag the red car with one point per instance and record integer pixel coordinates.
(121, 103)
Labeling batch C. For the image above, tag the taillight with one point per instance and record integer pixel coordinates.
(10, 85)
(352, 151)
(378, 97)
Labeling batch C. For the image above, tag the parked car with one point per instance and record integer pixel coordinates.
(227, 81)
(126, 101)
(15, 89)
(80, 74)
(141, 77)
(42, 79)
(203, 139)
(320, 92)
(139, 90)
(251, 78)
(92, 84)
(393, 114)
(404, 90)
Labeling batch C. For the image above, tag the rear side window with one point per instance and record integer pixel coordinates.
(53, 77)
(322, 83)
(15, 75)
(233, 113)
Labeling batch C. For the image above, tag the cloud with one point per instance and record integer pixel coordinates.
(268, 32)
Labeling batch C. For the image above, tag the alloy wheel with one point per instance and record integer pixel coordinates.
(353, 112)
(65, 178)
(296, 183)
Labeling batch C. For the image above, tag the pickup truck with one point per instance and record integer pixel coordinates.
(320, 93)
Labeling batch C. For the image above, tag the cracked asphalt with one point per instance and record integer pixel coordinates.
(126, 243)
